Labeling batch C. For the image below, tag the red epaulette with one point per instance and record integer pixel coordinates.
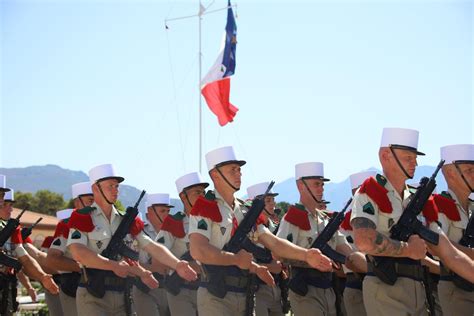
(62, 229)
(346, 223)
(207, 208)
(82, 220)
(377, 193)
(447, 206)
(430, 211)
(298, 217)
(174, 226)
(16, 236)
(137, 226)
(28, 240)
(47, 242)
(261, 220)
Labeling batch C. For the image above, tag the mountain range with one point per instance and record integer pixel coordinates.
(59, 180)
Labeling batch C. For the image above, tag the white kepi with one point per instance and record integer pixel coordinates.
(64, 214)
(103, 172)
(222, 156)
(80, 189)
(9, 196)
(358, 178)
(455, 154)
(400, 138)
(189, 180)
(3, 184)
(310, 170)
(259, 189)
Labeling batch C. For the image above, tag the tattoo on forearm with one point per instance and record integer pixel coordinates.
(381, 244)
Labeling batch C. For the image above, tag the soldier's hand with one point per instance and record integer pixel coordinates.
(263, 274)
(185, 271)
(416, 247)
(32, 294)
(49, 284)
(121, 268)
(317, 260)
(243, 259)
(274, 267)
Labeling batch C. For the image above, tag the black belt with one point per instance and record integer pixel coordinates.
(354, 280)
(316, 278)
(111, 281)
(232, 283)
(411, 271)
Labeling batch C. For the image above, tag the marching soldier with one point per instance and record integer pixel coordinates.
(14, 247)
(377, 206)
(212, 223)
(174, 235)
(91, 230)
(268, 299)
(455, 210)
(60, 258)
(301, 225)
(353, 299)
(153, 301)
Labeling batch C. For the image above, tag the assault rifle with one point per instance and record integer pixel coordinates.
(5, 234)
(237, 242)
(467, 240)
(298, 282)
(26, 231)
(114, 250)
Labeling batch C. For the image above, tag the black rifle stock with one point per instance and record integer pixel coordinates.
(408, 224)
(113, 251)
(5, 234)
(239, 241)
(26, 231)
(467, 240)
(298, 280)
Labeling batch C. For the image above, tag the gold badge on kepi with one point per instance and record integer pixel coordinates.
(99, 244)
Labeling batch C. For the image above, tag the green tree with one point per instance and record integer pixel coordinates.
(23, 200)
(43, 201)
(283, 206)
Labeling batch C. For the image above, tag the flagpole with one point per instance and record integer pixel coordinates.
(199, 88)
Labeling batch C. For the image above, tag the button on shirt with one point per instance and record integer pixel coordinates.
(98, 239)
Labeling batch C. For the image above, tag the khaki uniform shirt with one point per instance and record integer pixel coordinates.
(454, 229)
(219, 234)
(304, 238)
(10, 249)
(364, 206)
(178, 246)
(60, 243)
(98, 239)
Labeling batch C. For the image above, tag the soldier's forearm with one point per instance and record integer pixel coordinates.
(282, 248)
(56, 260)
(162, 254)
(372, 242)
(90, 259)
(31, 268)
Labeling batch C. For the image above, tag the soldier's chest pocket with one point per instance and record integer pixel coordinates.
(306, 238)
(457, 229)
(99, 239)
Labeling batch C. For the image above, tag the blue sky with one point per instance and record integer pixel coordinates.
(89, 82)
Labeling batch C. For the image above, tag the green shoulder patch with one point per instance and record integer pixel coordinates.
(86, 210)
(300, 206)
(57, 242)
(350, 239)
(446, 194)
(381, 179)
(248, 204)
(76, 235)
(178, 216)
(290, 237)
(368, 208)
(210, 195)
(412, 190)
(161, 240)
(202, 225)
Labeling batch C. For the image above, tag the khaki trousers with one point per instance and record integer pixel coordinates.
(317, 302)
(112, 304)
(455, 301)
(54, 304)
(405, 297)
(68, 304)
(354, 302)
(233, 304)
(185, 303)
(151, 303)
(268, 301)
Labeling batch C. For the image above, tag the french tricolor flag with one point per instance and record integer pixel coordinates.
(215, 87)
